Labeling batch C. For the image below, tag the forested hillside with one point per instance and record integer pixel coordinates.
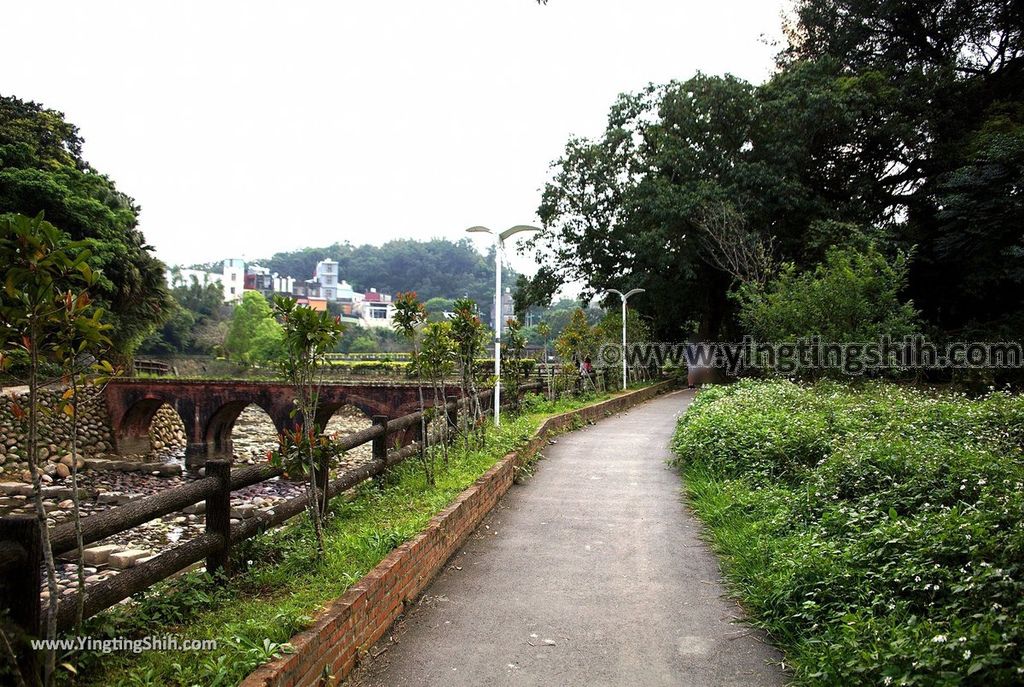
(437, 268)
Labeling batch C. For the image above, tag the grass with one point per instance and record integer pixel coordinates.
(874, 531)
(253, 614)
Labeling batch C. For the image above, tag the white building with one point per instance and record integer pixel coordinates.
(283, 284)
(327, 274)
(374, 309)
(231, 278)
(347, 293)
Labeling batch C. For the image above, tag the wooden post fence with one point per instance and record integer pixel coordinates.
(218, 513)
(21, 560)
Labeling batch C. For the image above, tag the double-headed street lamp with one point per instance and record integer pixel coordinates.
(499, 244)
(624, 297)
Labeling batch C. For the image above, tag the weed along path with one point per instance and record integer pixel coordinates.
(593, 573)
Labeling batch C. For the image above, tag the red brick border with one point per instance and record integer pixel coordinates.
(354, 621)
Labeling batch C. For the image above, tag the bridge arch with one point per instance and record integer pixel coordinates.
(209, 408)
(132, 429)
(334, 402)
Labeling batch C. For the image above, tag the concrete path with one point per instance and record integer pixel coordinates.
(593, 573)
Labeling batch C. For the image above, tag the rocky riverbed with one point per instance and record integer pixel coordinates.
(100, 489)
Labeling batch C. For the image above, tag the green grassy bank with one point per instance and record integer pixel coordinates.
(280, 587)
(876, 531)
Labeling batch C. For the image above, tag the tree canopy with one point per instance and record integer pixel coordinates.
(254, 335)
(889, 123)
(42, 170)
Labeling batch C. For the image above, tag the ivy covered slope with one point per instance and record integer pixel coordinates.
(877, 532)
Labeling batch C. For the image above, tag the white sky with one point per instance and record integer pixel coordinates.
(246, 128)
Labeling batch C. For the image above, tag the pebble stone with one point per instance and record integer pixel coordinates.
(254, 434)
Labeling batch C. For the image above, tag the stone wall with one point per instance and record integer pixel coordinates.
(94, 436)
(166, 431)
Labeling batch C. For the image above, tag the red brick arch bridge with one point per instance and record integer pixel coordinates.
(208, 409)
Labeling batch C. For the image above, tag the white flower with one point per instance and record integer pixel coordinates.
(939, 639)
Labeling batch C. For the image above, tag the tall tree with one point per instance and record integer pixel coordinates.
(254, 335)
(940, 136)
(892, 123)
(47, 323)
(42, 170)
(621, 212)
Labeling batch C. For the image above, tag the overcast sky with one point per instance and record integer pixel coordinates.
(246, 128)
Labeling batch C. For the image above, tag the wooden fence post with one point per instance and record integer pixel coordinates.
(218, 513)
(20, 587)
(380, 445)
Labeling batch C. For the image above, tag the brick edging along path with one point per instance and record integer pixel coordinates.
(356, 620)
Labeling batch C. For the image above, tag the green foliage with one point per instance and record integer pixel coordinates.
(42, 170)
(45, 289)
(357, 366)
(283, 585)
(535, 291)
(357, 339)
(308, 336)
(578, 339)
(437, 354)
(409, 314)
(175, 335)
(409, 317)
(609, 329)
(47, 317)
(901, 119)
(254, 336)
(436, 307)
(628, 202)
(979, 230)
(438, 268)
(300, 451)
(853, 297)
(205, 300)
(196, 320)
(362, 344)
(513, 346)
(874, 531)
(469, 335)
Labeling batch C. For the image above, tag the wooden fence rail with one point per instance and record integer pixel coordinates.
(21, 564)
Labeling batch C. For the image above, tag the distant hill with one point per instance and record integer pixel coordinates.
(437, 268)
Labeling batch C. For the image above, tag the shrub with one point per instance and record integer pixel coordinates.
(851, 298)
(874, 531)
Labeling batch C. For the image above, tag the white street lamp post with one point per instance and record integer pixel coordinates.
(499, 243)
(624, 297)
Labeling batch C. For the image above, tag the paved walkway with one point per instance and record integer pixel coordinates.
(593, 573)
